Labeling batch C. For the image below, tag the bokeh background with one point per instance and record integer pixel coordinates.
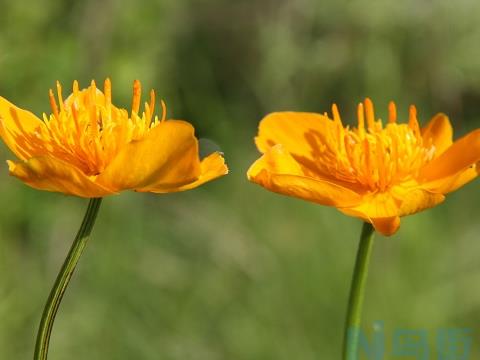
(230, 271)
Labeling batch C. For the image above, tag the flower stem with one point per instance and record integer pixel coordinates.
(357, 292)
(63, 279)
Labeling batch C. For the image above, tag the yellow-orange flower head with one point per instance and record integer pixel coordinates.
(375, 172)
(88, 147)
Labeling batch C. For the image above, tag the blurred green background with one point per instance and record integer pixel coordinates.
(229, 270)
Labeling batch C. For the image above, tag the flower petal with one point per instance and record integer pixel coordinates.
(439, 133)
(278, 171)
(292, 130)
(452, 183)
(47, 173)
(413, 200)
(373, 206)
(384, 209)
(212, 167)
(381, 212)
(13, 121)
(386, 226)
(464, 153)
(166, 157)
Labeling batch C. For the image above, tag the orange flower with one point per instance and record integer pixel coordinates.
(90, 148)
(374, 172)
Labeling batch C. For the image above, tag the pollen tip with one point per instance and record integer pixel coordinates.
(369, 113)
(361, 117)
(107, 89)
(53, 103)
(59, 94)
(413, 110)
(392, 112)
(336, 114)
(164, 110)
(412, 119)
(137, 93)
(152, 101)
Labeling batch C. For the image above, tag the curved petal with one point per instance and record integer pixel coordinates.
(46, 173)
(439, 133)
(373, 206)
(212, 167)
(414, 200)
(383, 210)
(276, 160)
(290, 129)
(386, 226)
(166, 157)
(384, 220)
(13, 121)
(278, 171)
(452, 183)
(464, 153)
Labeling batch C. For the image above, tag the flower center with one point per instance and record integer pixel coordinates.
(377, 157)
(87, 130)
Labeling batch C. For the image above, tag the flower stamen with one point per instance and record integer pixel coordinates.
(164, 110)
(392, 112)
(336, 115)
(107, 89)
(86, 130)
(53, 103)
(377, 158)
(370, 114)
(137, 93)
(60, 97)
(361, 120)
(412, 120)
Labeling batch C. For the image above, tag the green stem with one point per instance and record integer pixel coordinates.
(357, 292)
(63, 279)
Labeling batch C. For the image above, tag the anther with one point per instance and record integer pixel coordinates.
(164, 110)
(107, 88)
(75, 87)
(370, 114)
(93, 92)
(392, 112)
(53, 103)
(60, 97)
(137, 93)
(152, 101)
(361, 120)
(336, 115)
(412, 120)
